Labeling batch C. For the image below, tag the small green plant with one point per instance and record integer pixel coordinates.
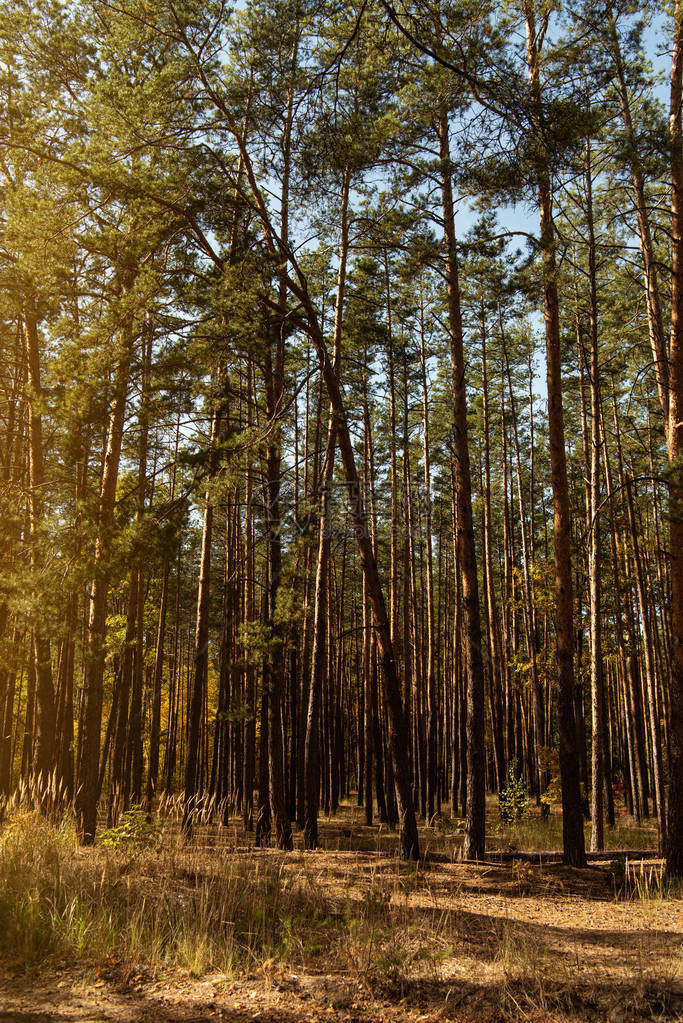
(133, 829)
(513, 800)
(549, 762)
(617, 870)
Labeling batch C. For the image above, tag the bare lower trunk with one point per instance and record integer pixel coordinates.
(490, 592)
(157, 678)
(572, 817)
(674, 844)
(432, 710)
(528, 608)
(89, 737)
(201, 655)
(598, 760)
(274, 677)
(475, 842)
(321, 598)
(45, 718)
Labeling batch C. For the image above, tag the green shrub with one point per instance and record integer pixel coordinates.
(513, 800)
(133, 829)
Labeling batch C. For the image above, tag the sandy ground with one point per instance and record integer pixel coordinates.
(512, 943)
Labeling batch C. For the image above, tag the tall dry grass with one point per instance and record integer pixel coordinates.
(143, 898)
(143, 903)
(149, 899)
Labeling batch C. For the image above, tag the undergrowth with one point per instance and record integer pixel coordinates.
(141, 904)
(147, 900)
(155, 902)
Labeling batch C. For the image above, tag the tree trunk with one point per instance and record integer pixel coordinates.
(89, 737)
(45, 718)
(432, 710)
(201, 649)
(249, 762)
(674, 844)
(493, 622)
(321, 598)
(475, 841)
(650, 678)
(654, 311)
(528, 608)
(274, 679)
(572, 817)
(599, 775)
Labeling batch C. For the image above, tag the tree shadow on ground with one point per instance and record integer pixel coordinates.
(464, 1001)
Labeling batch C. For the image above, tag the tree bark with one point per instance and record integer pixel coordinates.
(475, 841)
(654, 310)
(89, 739)
(201, 650)
(674, 844)
(572, 818)
(493, 622)
(312, 742)
(432, 710)
(528, 607)
(599, 775)
(45, 718)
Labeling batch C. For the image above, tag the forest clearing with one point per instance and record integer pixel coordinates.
(341, 509)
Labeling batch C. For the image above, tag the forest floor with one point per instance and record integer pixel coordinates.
(153, 929)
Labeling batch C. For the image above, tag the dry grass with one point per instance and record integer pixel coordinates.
(151, 903)
(486, 942)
